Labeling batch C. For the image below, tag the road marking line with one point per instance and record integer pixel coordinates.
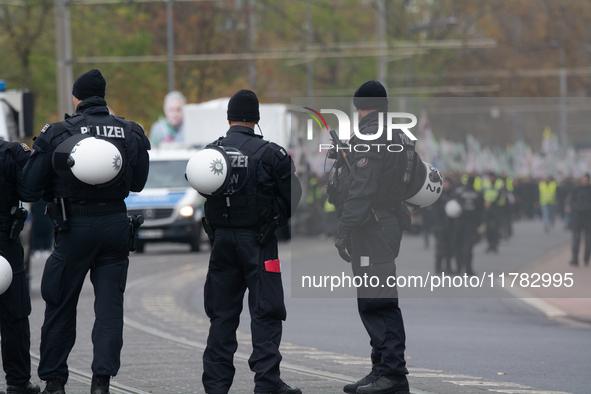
(485, 383)
(86, 378)
(528, 392)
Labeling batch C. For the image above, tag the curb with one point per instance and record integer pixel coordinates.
(551, 311)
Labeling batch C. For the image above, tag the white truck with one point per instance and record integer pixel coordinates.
(205, 122)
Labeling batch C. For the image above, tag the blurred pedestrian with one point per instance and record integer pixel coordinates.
(170, 127)
(15, 302)
(548, 202)
(564, 190)
(492, 197)
(505, 186)
(427, 224)
(443, 229)
(530, 197)
(518, 189)
(472, 203)
(580, 204)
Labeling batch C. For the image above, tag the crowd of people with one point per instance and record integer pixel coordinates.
(490, 217)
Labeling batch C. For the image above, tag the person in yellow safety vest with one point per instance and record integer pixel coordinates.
(477, 180)
(477, 183)
(547, 189)
(505, 185)
(493, 191)
(509, 184)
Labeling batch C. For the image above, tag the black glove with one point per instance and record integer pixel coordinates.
(343, 245)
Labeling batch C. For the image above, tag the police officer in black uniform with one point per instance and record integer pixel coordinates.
(580, 205)
(244, 254)
(15, 302)
(472, 203)
(93, 237)
(372, 217)
(443, 229)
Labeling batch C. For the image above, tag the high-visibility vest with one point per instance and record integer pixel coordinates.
(465, 179)
(314, 192)
(499, 185)
(478, 183)
(509, 184)
(490, 192)
(328, 207)
(547, 193)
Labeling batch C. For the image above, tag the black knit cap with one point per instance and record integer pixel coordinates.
(244, 107)
(89, 84)
(371, 95)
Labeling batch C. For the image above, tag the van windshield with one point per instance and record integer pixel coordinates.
(167, 174)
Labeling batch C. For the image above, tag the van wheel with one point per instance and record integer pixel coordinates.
(195, 242)
(139, 247)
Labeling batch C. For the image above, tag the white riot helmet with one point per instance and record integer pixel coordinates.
(208, 171)
(426, 186)
(453, 209)
(217, 170)
(90, 160)
(5, 275)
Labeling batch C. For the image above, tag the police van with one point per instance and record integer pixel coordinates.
(171, 208)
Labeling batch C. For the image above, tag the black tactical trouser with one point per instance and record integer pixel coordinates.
(492, 227)
(466, 233)
(581, 223)
(15, 308)
(378, 244)
(444, 247)
(238, 262)
(98, 244)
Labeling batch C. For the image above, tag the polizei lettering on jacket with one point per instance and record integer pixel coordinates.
(239, 164)
(106, 131)
(239, 161)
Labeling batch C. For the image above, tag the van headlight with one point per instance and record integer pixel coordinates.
(186, 211)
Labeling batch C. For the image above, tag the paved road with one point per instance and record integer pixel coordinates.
(454, 345)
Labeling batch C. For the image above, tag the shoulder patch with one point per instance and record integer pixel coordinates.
(44, 129)
(25, 147)
(362, 162)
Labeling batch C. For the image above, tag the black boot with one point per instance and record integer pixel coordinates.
(99, 384)
(28, 388)
(396, 385)
(285, 389)
(54, 386)
(352, 387)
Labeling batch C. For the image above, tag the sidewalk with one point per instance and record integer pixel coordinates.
(573, 302)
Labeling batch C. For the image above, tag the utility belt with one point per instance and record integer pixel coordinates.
(60, 211)
(264, 232)
(76, 210)
(252, 229)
